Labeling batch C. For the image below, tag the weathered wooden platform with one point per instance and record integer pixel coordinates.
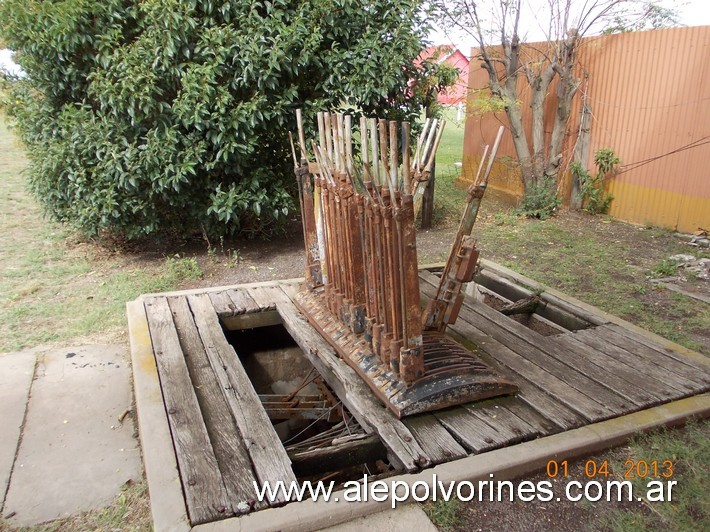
(223, 440)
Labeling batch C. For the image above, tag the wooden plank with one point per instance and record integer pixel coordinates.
(206, 495)
(670, 382)
(547, 394)
(594, 397)
(532, 382)
(290, 289)
(167, 501)
(471, 431)
(524, 411)
(223, 304)
(243, 302)
(360, 449)
(669, 359)
(251, 320)
(679, 350)
(502, 427)
(268, 456)
(209, 289)
(229, 449)
(505, 422)
(261, 303)
(643, 378)
(438, 444)
(618, 336)
(577, 371)
(404, 450)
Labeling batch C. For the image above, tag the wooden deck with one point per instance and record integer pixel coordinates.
(224, 441)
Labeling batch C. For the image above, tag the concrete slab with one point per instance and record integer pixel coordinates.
(403, 519)
(16, 373)
(74, 455)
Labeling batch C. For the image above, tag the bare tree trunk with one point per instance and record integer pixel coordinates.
(539, 83)
(520, 142)
(581, 153)
(566, 89)
(543, 160)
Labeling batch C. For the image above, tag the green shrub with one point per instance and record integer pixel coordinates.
(667, 268)
(595, 198)
(541, 199)
(183, 269)
(153, 115)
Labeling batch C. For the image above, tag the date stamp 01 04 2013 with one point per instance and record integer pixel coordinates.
(632, 469)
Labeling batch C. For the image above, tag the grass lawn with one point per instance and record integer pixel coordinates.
(56, 286)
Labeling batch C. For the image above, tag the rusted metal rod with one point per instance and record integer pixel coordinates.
(443, 309)
(363, 231)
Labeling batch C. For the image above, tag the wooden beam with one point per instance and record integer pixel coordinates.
(436, 441)
(243, 302)
(522, 306)
(167, 501)
(271, 463)
(252, 320)
(223, 304)
(206, 495)
(363, 449)
(229, 449)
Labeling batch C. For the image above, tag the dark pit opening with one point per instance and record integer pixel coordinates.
(322, 438)
(548, 319)
(532, 321)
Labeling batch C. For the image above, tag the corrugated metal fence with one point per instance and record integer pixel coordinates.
(649, 95)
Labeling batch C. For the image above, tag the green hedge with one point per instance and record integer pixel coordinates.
(153, 115)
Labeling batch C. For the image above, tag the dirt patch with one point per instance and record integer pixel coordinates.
(538, 516)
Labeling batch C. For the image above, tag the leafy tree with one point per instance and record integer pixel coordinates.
(651, 16)
(514, 68)
(150, 115)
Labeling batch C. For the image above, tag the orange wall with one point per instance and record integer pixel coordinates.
(649, 94)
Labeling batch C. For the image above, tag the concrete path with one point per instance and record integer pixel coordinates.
(72, 454)
(16, 373)
(406, 518)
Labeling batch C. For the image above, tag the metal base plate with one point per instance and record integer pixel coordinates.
(453, 375)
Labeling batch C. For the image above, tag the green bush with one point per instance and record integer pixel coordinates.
(541, 199)
(595, 198)
(152, 115)
(667, 268)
